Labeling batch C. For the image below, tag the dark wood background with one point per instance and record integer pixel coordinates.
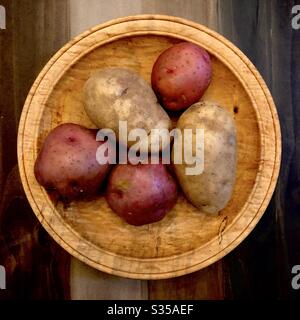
(37, 268)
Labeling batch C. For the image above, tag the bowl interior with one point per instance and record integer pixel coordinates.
(184, 228)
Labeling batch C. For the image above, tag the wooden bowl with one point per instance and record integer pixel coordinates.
(186, 240)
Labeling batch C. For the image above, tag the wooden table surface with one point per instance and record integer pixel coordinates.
(259, 268)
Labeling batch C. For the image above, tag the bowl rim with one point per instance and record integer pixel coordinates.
(153, 266)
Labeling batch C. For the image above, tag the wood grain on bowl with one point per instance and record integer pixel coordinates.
(186, 240)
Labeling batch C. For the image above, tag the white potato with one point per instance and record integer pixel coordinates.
(211, 190)
(118, 94)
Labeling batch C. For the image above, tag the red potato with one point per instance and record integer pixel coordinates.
(142, 193)
(180, 75)
(67, 162)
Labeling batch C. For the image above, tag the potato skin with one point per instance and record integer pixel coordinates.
(114, 94)
(211, 190)
(67, 165)
(180, 75)
(141, 194)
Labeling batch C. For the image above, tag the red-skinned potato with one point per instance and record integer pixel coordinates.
(180, 75)
(67, 163)
(141, 194)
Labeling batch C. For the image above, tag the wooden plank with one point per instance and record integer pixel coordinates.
(85, 282)
(201, 11)
(262, 29)
(8, 127)
(292, 194)
(90, 284)
(84, 17)
(206, 284)
(36, 266)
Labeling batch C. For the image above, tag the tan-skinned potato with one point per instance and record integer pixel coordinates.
(119, 94)
(210, 190)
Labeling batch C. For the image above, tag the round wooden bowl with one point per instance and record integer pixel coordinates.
(186, 240)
